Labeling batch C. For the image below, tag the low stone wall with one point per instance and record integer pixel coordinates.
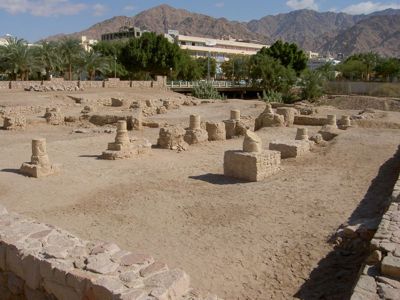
(380, 275)
(109, 83)
(310, 121)
(39, 261)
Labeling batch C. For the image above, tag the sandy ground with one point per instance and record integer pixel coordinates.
(265, 240)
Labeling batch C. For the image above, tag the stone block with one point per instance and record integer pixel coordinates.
(251, 166)
(290, 148)
(329, 132)
(17, 122)
(61, 292)
(154, 268)
(288, 114)
(38, 171)
(106, 288)
(310, 121)
(136, 259)
(196, 136)
(170, 285)
(216, 131)
(172, 138)
(267, 119)
(118, 102)
(15, 284)
(31, 269)
(391, 266)
(101, 264)
(13, 261)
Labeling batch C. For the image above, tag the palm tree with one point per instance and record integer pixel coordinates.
(70, 50)
(48, 58)
(17, 58)
(92, 62)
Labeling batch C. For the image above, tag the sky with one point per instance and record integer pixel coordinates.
(36, 19)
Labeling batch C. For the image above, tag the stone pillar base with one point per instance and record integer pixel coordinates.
(196, 136)
(122, 151)
(290, 148)
(38, 171)
(251, 166)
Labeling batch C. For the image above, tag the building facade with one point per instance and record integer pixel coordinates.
(124, 32)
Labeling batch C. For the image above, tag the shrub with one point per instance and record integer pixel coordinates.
(272, 96)
(205, 90)
(311, 84)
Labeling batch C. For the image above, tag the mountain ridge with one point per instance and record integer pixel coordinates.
(311, 30)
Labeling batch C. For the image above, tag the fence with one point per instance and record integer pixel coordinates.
(379, 89)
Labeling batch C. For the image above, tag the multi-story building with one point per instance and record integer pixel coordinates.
(124, 32)
(87, 44)
(219, 49)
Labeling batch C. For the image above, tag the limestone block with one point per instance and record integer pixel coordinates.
(54, 116)
(302, 134)
(235, 114)
(61, 292)
(31, 269)
(161, 110)
(169, 104)
(118, 102)
(17, 122)
(309, 121)
(230, 128)
(317, 138)
(172, 138)
(290, 148)
(174, 284)
(329, 132)
(251, 166)
(269, 120)
(391, 266)
(136, 259)
(101, 264)
(107, 287)
(38, 171)
(216, 131)
(13, 261)
(15, 284)
(154, 268)
(288, 114)
(344, 123)
(252, 142)
(195, 136)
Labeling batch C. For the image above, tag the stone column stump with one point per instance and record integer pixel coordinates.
(302, 134)
(195, 134)
(40, 165)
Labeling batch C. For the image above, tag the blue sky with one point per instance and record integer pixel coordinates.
(35, 19)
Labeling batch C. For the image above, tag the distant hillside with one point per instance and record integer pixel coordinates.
(378, 33)
(311, 30)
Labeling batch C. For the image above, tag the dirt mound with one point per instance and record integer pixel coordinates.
(361, 102)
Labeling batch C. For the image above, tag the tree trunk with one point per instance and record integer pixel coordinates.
(70, 72)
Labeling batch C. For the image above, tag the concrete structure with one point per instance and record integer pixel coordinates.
(124, 147)
(40, 165)
(195, 134)
(125, 32)
(219, 49)
(87, 44)
(253, 163)
(289, 149)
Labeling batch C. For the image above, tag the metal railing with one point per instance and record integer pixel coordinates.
(215, 84)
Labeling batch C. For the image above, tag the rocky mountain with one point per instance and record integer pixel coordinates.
(311, 30)
(379, 33)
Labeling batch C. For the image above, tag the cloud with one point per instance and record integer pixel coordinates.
(99, 9)
(220, 4)
(369, 7)
(42, 8)
(302, 4)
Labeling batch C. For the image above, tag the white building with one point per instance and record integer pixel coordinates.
(219, 49)
(87, 44)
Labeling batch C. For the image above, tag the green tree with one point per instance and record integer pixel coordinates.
(202, 63)
(16, 58)
(369, 60)
(151, 53)
(70, 51)
(47, 58)
(237, 68)
(352, 69)
(388, 68)
(187, 68)
(288, 54)
(93, 62)
(269, 74)
(311, 84)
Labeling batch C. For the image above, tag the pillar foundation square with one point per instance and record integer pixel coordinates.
(251, 166)
(290, 149)
(38, 171)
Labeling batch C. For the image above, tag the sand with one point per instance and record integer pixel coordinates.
(265, 240)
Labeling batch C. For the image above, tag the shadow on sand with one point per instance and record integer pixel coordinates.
(335, 275)
(15, 171)
(218, 179)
